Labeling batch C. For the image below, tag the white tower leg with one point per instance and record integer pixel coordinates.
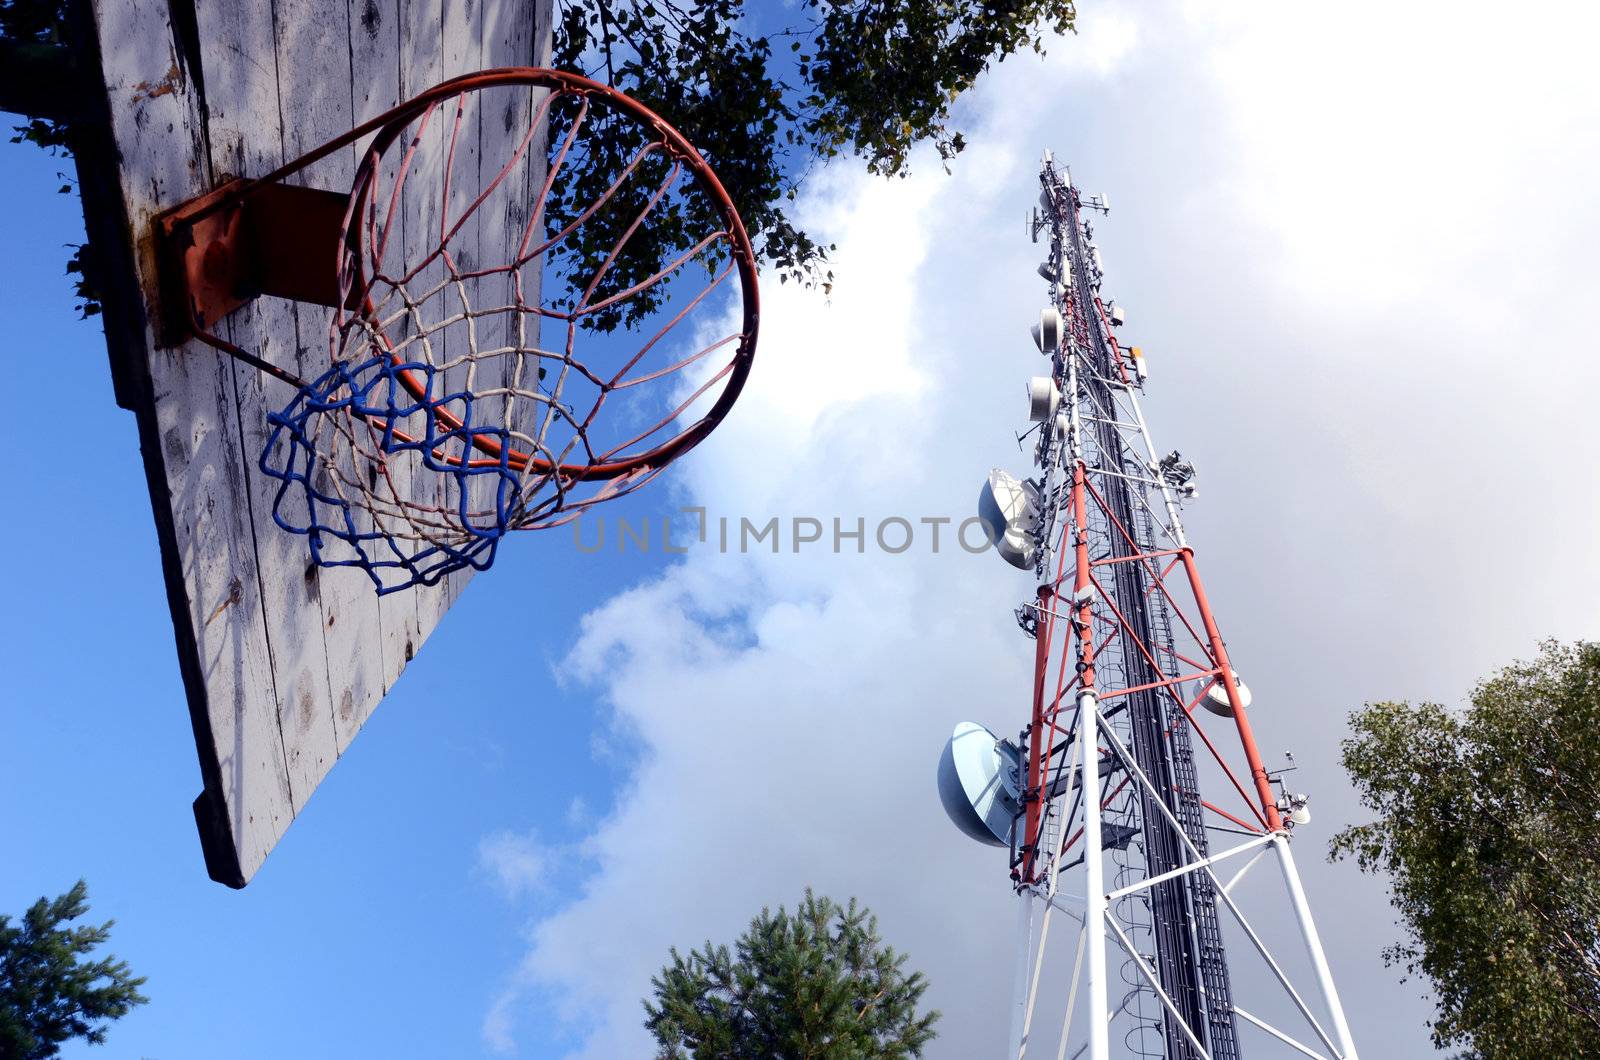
(1022, 980)
(1094, 913)
(1319, 960)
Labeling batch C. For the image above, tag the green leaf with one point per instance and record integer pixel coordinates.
(871, 79)
(1485, 821)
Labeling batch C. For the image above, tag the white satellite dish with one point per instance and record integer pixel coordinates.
(1216, 700)
(978, 784)
(1047, 333)
(1043, 397)
(1009, 508)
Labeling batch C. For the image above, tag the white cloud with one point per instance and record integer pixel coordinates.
(497, 1024)
(1393, 140)
(768, 692)
(518, 864)
(1312, 235)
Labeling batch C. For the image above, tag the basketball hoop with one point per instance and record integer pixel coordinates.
(466, 398)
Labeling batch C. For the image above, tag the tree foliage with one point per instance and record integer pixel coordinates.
(764, 91)
(763, 101)
(35, 24)
(1488, 822)
(817, 984)
(49, 990)
(30, 29)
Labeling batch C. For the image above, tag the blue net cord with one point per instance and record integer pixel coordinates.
(344, 452)
(366, 402)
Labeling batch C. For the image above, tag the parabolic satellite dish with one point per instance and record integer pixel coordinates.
(978, 784)
(1047, 333)
(1009, 508)
(1217, 702)
(1043, 398)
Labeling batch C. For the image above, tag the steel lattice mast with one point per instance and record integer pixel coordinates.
(1127, 650)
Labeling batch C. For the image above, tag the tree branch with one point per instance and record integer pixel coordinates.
(42, 81)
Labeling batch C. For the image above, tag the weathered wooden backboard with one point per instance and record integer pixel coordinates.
(282, 661)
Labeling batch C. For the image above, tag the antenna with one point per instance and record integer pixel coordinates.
(978, 784)
(1136, 705)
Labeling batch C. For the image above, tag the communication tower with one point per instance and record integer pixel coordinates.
(1098, 799)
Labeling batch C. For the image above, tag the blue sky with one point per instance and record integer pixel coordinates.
(374, 930)
(1344, 285)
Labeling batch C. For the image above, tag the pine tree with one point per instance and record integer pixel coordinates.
(818, 984)
(47, 993)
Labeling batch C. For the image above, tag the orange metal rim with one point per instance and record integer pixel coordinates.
(392, 124)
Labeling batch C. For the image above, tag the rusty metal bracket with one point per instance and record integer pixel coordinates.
(245, 239)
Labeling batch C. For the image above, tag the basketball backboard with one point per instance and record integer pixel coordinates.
(283, 661)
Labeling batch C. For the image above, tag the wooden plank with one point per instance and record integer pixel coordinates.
(376, 48)
(318, 35)
(245, 134)
(509, 41)
(421, 25)
(192, 447)
(530, 46)
(283, 662)
(461, 51)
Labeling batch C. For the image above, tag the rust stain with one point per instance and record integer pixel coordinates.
(168, 84)
(235, 594)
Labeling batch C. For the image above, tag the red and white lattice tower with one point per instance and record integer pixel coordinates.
(1136, 706)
